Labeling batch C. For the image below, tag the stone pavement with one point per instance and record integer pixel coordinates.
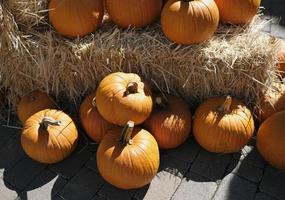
(188, 172)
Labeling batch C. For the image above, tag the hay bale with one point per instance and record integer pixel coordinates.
(28, 13)
(238, 60)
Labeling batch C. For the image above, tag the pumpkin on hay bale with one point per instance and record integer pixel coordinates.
(234, 61)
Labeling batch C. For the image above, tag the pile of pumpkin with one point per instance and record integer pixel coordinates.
(195, 20)
(131, 123)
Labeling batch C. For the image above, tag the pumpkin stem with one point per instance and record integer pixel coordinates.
(161, 103)
(49, 121)
(127, 132)
(132, 88)
(94, 102)
(225, 108)
(32, 97)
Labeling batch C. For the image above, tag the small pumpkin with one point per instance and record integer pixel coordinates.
(135, 13)
(270, 140)
(73, 18)
(237, 11)
(32, 103)
(273, 101)
(223, 125)
(49, 136)
(93, 123)
(128, 157)
(189, 21)
(281, 56)
(170, 121)
(122, 97)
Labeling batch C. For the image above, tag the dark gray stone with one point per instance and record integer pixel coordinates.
(98, 197)
(173, 165)
(186, 152)
(84, 185)
(250, 155)
(234, 187)
(262, 196)
(70, 166)
(5, 192)
(92, 163)
(110, 192)
(273, 183)
(246, 171)
(161, 187)
(195, 187)
(6, 134)
(23, 173)
(211, 165)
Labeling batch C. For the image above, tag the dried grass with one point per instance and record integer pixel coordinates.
(238, 60)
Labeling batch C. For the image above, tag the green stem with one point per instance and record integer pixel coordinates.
(47, 121)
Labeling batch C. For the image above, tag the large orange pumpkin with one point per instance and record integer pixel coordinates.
(122, 97)
(189, 21)
(49, 136)
(273, 101)
(74, 18)
(170, 121)
(271, 140)
(237, 11)
(223, 125)
(281, 56)
(135, 13)
(128, 157)
(93, 123)
(32, 103)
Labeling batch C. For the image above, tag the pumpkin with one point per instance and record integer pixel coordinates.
(122, 97)
(273, 101)
(128, 157)
(170, 121)
(73, 18)
(189, 21)
(135, 13)
(49, 136)
(32, 103)
(270, 140)
(237, 11)
(281, 56)
(223, 125)
(92, 122)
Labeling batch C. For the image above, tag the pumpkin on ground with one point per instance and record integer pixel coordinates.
(189, 21)
(223, 125)
(170, 121)
(273, 101)
(93, 123)
(271, 140)
(122, 97)
(32, 103)
(73, 18)
(135, 13)
(281, 56)
(237, 11)
(49, 136)
(128, 157)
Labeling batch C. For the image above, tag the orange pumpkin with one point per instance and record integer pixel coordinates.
(93, 123)
(135, 13)
(49, 136)
(281, 56)
(223, 125)
(32, 103)
(270, 140)
(170, 121)
(122, 97)
(273, 101)
(188, 21)
(128, 157)
(73, 18)
(237, 11)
